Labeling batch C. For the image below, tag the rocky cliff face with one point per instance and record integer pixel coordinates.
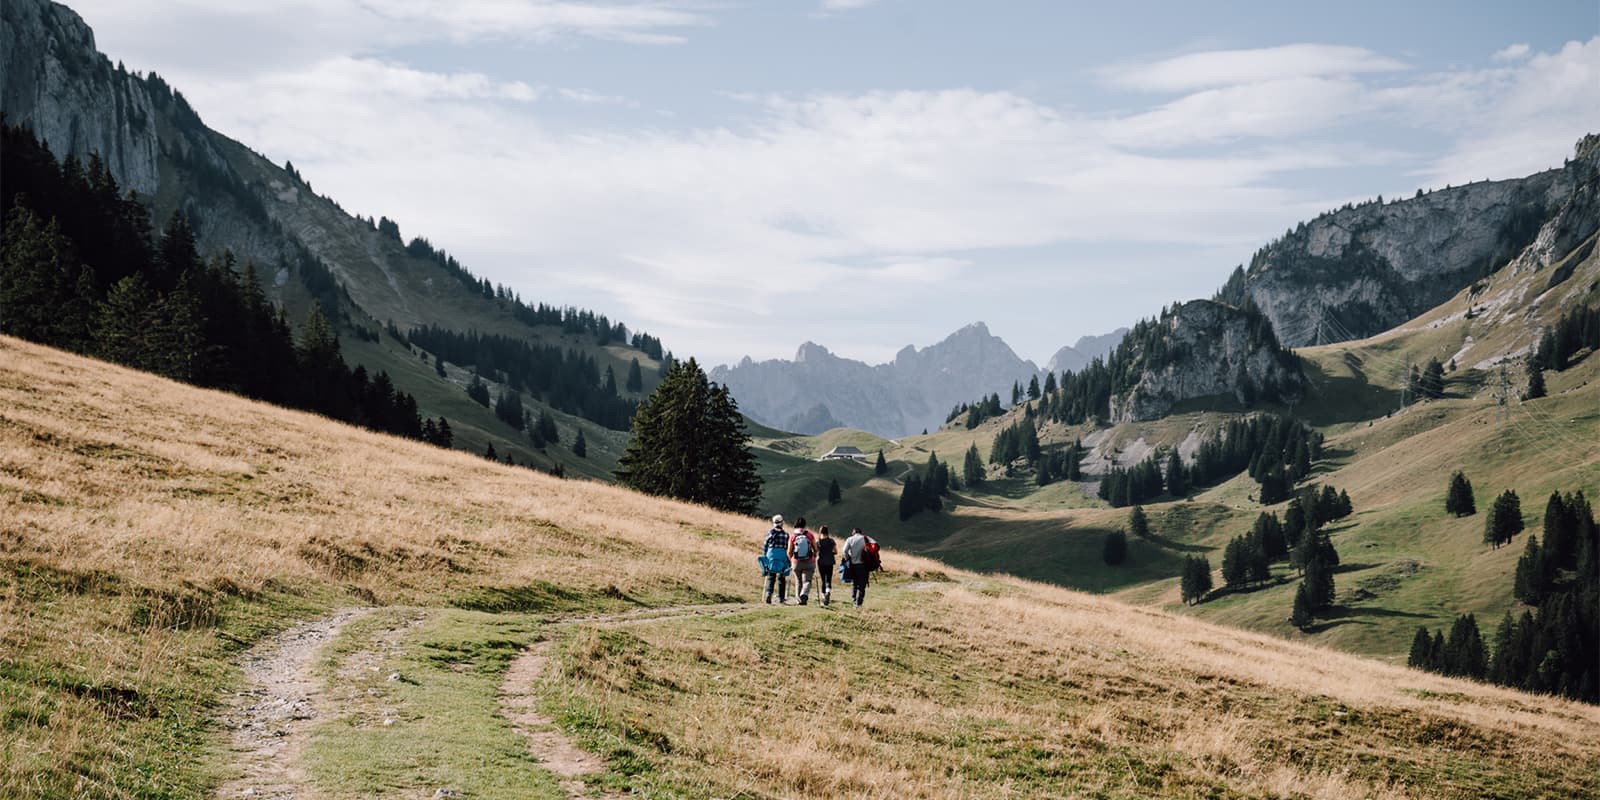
(819, 390)
(1364, 269)
(1206, 349)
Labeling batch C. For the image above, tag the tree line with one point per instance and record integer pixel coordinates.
(81, 271)
(565, 379)
(575, 321)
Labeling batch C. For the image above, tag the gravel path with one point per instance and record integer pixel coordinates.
(271, 720)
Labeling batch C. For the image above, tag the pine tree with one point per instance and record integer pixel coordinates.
(1504, 520)
(126, 324)
(1115, 550)
(1138, 523)
(882, 466)
(438, 367)
(1235, 569)
(1301, 617)
(1318, 583)
(689, 442)
(1421, 651)
(490, 454)
(1532, 577)
(1196, 581)
(1177, 480)
(835, 494)
(446, 437)
(972, 471)
(911, 499)
(635, 382)
(478, 390)
(1536, 388)
(580, 446)
(1459, 499)
(1033, 388)
(1432, 384)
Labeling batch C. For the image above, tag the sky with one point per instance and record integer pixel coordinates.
(740, 176)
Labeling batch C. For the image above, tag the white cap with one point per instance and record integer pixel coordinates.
(777, 519)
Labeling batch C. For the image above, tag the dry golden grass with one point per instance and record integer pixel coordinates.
(149, 530)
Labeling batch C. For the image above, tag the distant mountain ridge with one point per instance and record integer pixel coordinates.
(1088, 348)
(818, 390)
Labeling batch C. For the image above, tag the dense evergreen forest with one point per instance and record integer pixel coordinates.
(81, 271)
(565, 379)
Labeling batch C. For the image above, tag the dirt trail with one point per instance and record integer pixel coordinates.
(519, 695)
(271, 720)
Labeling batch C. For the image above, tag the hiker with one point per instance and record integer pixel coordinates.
(803, 553)
(827, 551)
(775, 560)
(860, 559)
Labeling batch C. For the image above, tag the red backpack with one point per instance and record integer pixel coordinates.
(869, 555)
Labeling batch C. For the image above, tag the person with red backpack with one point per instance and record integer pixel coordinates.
(803, 554)
(860, 560)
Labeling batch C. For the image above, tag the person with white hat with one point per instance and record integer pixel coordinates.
(774, 560)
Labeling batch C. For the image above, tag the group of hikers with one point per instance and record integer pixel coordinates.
(811, 556)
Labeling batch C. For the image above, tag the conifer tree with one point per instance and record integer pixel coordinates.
(580, 446)
(1432, 384)
(438, 367)
(445, 437)
(1421, 651)
(1235, 569)
(1138, 523)
(911, 497)
(635, 382)
(1536, 388)
(835, 494)
(882, 466)
(689, 442)
(1318, 583)
(478, 390)
(1301, 616)
(1115, 550)
(1504, 520)
(972, 472)
(1533, 574)
(1196, 582)
(1177, 480)
(1459, 499)
(490, 454)
(1033, 388)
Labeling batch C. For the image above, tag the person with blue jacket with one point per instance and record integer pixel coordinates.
(775, 561)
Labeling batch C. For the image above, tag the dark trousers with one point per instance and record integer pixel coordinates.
(782, 582)
(858, 583)
(825, 580)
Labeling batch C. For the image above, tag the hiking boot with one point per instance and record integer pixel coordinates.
(802, 599)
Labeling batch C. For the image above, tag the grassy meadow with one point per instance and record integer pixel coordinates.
(151, 532)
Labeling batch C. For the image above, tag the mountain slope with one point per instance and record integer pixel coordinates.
(149, 531)
(307, 249)
(1364, 269)
(819, 390)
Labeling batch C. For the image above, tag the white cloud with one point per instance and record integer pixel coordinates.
(1513, 52)
(803, 212)
(1234, 67)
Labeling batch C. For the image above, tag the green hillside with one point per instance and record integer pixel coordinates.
(1405, 562)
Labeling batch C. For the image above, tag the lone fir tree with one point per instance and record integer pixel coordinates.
(835, 494)
(1459, 500)
(689, 442)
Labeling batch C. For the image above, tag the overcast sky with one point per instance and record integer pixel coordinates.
(740, 176)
